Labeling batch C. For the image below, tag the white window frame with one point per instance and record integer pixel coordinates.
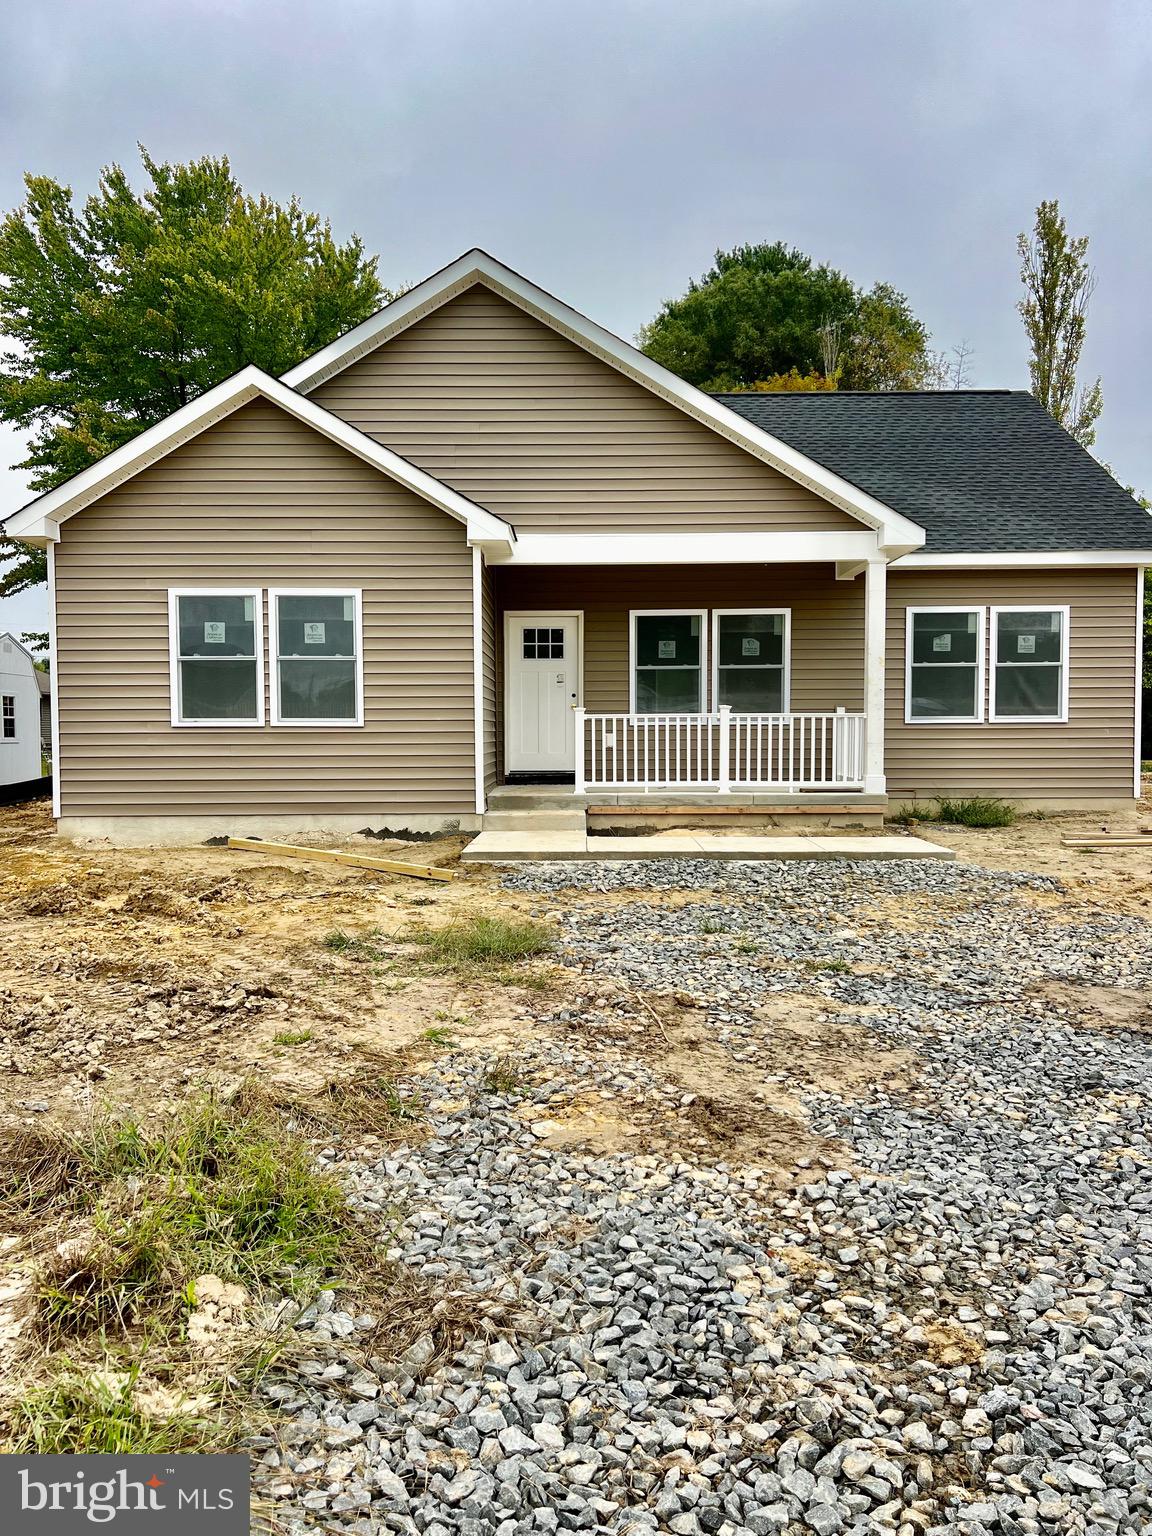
(1061, 718)
(786, 682)
(981, 613)
(15, 736)
(174, 595)
(669, 613)
(274, 595)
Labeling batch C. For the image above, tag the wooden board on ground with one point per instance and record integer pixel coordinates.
(1103, 843)
(334, 856)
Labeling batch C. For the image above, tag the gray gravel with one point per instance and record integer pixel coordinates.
(946, 1328)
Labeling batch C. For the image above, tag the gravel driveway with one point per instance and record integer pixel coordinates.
(935, 1315)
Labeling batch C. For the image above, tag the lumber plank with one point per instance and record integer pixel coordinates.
(334, 856)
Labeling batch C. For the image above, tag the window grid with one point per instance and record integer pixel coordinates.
(543, 644)
(8, 716)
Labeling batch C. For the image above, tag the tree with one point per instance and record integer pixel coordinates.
(127, 308)
(763, 310)
(1058, 284)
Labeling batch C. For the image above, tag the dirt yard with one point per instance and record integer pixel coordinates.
(132, 976)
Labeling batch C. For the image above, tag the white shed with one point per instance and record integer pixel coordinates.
(19, 713)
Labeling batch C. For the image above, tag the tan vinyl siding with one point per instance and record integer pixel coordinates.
(488, 641)
(827, 619)
(262, 500)
(539, 431)
(1090, 757)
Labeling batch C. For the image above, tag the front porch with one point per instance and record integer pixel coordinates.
(663, 688)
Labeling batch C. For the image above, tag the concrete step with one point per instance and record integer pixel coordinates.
(521, 820)
(506, 847)
(534, 798)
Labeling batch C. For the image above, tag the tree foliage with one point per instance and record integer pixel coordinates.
(1058, 284)
(763, 310)
(126, 308)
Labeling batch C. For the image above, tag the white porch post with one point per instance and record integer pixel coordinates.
(579, 784)
(875, 612)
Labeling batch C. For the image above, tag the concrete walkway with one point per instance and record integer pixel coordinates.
(514, 847)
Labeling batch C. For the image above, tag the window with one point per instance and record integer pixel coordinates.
(543, 645)
(315, 646)
(667, 663)
(216, 644)
(8, 717)
(751, 651)
(945, 665)
(1029, 664)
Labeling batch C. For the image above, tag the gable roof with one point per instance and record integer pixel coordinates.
(39, 521)
(897, 533)
(6, 634)
(983, 470)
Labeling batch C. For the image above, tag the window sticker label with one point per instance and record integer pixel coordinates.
(313, 634)
(749, 646)
(941, 642)
(349, 609)
(249, 610)
(1025, 645)
(666, 650)
(214, 631)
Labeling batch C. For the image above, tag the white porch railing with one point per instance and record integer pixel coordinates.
(723, 751)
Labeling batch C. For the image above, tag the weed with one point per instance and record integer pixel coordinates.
(373, 1102)
(503, 1076)
(355, 946)
(746, 947)
(919, 810)
(439, 1037)
(292, 1037)
(219, 1188)
(836, 967)
(546, 980)
(469, 941)
(94, 1412)
(710, 925)
(980, 811)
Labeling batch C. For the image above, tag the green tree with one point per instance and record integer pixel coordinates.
(763, 310)
(1058, 284)
(126, 308)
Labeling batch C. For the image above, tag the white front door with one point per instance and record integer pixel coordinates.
(542, 672)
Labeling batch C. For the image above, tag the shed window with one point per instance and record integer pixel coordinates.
(316, 645)
(945, 664)
(8, 716)
(1029, 664)
(667, 663)
(216, 640)
(751, 652)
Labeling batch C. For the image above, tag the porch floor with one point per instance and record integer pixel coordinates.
(516, 847)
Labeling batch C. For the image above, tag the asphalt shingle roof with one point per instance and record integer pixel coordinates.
(983, 471)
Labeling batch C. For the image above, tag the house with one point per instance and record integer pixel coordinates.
(19, 713)
(479, 540)
(44, 684)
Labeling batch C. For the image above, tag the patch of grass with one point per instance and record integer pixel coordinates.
(355, 946)
(746, 947)
(219, 1188)
(470, 941)
(545, 980)
(711, 925)
(439, 1037)
(292, 1037)
(503, 1076)
(836, 967)
(372, 1101)
(980, 811)
(81, 1413)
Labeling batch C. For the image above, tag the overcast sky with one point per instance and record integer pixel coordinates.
(605, 148)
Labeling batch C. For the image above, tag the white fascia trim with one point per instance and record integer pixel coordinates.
(661, 548)
(478, 267)
(6, 634)
(1139, 699)
(39, 521)
(1023, 559)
